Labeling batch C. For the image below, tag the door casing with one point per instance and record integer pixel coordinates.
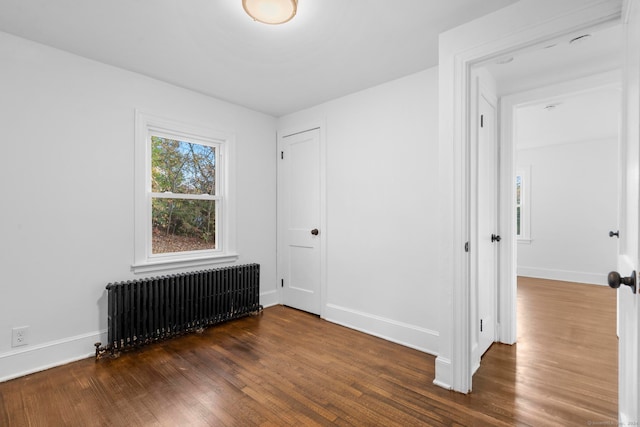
(628, 244)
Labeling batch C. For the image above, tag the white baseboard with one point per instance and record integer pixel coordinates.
(443, 373)
(391, 330)
(625, 420)
(563, 275)
(29, 359)
(268, 299)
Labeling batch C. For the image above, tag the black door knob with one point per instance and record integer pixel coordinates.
(315, 231)
(495, 238)
(617, 234)
(615, 280)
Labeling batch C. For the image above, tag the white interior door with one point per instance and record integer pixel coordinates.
(299, 220)
(487, 228)
(628, 310)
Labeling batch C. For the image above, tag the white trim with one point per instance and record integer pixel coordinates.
(628, 245)
(443, 365)
(521, 25)
(224, 141)
(627, 9)
(405, 334)
(30, 359)
(507, 258)
(269, 298)
(563, 275)
(454, 350)
(583, 85)
(172, 264)
(169, 195)
(319, 124)
(625, 420)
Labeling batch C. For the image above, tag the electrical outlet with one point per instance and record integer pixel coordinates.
(19, 336)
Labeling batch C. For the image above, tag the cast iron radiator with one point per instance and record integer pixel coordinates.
(147, 310)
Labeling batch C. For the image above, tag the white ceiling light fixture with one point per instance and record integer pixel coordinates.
(271, 11)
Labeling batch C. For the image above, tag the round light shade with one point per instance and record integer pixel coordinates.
(271, 11)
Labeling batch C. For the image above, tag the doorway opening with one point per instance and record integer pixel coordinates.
(559, 149)
(501, 33)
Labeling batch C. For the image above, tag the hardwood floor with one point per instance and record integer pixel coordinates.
(286, 367)
(564, 369)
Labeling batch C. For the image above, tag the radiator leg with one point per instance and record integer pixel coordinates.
(99, 350)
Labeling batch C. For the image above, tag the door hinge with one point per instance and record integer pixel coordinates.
(466, 246)
(481, 120)
(480, 325)
(281, 155)
(282, 283)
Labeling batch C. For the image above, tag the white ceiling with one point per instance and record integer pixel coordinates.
(559, 60)
(330, 49)
(582, 117)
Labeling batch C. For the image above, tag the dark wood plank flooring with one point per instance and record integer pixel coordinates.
(286, 367)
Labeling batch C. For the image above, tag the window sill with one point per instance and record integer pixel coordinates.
(169, 264)
(524, 241)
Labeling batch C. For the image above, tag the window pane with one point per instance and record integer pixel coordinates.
(518, 221)
(518, 188)
(182, 167)
(181, 225)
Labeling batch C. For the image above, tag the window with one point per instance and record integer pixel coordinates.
(184, 207)
(523, 204)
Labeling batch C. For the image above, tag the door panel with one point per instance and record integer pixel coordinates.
(628, 310)
(299, 215)
(487, 225)
(483, 202)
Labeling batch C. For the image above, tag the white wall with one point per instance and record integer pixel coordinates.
(66, 166)
(573, 199)
(382, 208)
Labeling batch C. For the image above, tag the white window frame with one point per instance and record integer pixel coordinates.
(144, 260)
(525, 204)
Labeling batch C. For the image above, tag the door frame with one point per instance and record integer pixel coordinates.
(517, 27)
(628, 305)
(508, 106)
(280, 228)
